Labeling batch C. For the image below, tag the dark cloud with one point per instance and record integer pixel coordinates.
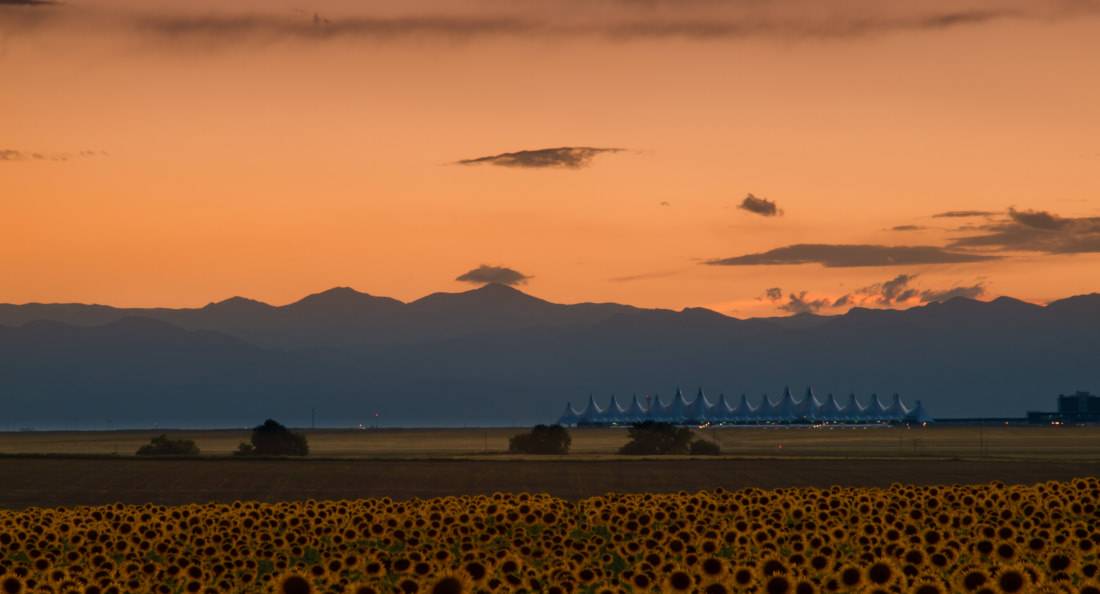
(1038, 219)
(1036, 231)
(17, 155)
(799, 304)
(838, 27)
(971, 292)
(569, 157)
(891, 292)
(760, 206)
(900, 290)
(956, 214)
(836, 256)
(236, 28)
(701, 21)
(773, 294)
(896, 289)
(643, 276)
(907, 228)
(14, 155)
(486, 274)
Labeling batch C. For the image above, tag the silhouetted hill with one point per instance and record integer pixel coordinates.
(497, 355)
(341, 316)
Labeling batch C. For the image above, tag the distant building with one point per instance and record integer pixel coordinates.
(786, 410)
(1079, 407)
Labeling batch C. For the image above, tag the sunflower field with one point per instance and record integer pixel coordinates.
(989, 538)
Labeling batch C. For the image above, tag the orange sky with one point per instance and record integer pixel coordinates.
(247, 154)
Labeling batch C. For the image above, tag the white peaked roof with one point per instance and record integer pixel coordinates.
(724, 407)
(698, 409)
(807, 407)
(786, 405)
(569, 417)
(635, 412)
(830, 409)
(783, 410)
(591, 412)
(743, 408)
(852, 407)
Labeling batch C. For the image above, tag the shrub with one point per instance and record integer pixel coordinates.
(162, 446)
(543, 439)
(702, 447)
(273, 439)
(657, 438)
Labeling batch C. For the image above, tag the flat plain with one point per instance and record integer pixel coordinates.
(92, 468)
(1016, 442)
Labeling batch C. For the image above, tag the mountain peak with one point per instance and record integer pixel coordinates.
(491, 294)
(238, 303)
(339, 297)
(499, 290)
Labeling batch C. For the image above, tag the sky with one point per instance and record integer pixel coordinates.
(756, 157)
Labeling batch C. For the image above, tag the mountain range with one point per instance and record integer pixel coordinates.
(496, 355)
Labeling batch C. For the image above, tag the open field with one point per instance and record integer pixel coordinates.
(53, 481)
(69, 468)
(991, 538)
(1041, 442)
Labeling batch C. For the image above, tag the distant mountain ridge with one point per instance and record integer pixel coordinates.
(340, 316)
(496, 355)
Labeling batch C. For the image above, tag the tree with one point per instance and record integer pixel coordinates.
(702, 447)
(273, 439)
(657, 438)
(162, 446)
(542, 439)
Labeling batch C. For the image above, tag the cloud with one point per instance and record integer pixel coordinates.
(773, 294)
(837, 256)
(1038, 219)
(569, 157)
(486, 274)
(234, 28)
(908, 228)
(18, 155)
(842, 26)
(760, 206)
(665, 203)
(891, 292)
(615, 21)
(1036, 231)
(644, 276)
(971, 292)
(899, 291)
(956, 214)
(800, 304)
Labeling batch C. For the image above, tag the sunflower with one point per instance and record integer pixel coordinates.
(882, 573)
(451, 583)
(972, 578)
(1011, 579)
(679, 580)
(293, 584)
(928, 585)
(11, 584)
